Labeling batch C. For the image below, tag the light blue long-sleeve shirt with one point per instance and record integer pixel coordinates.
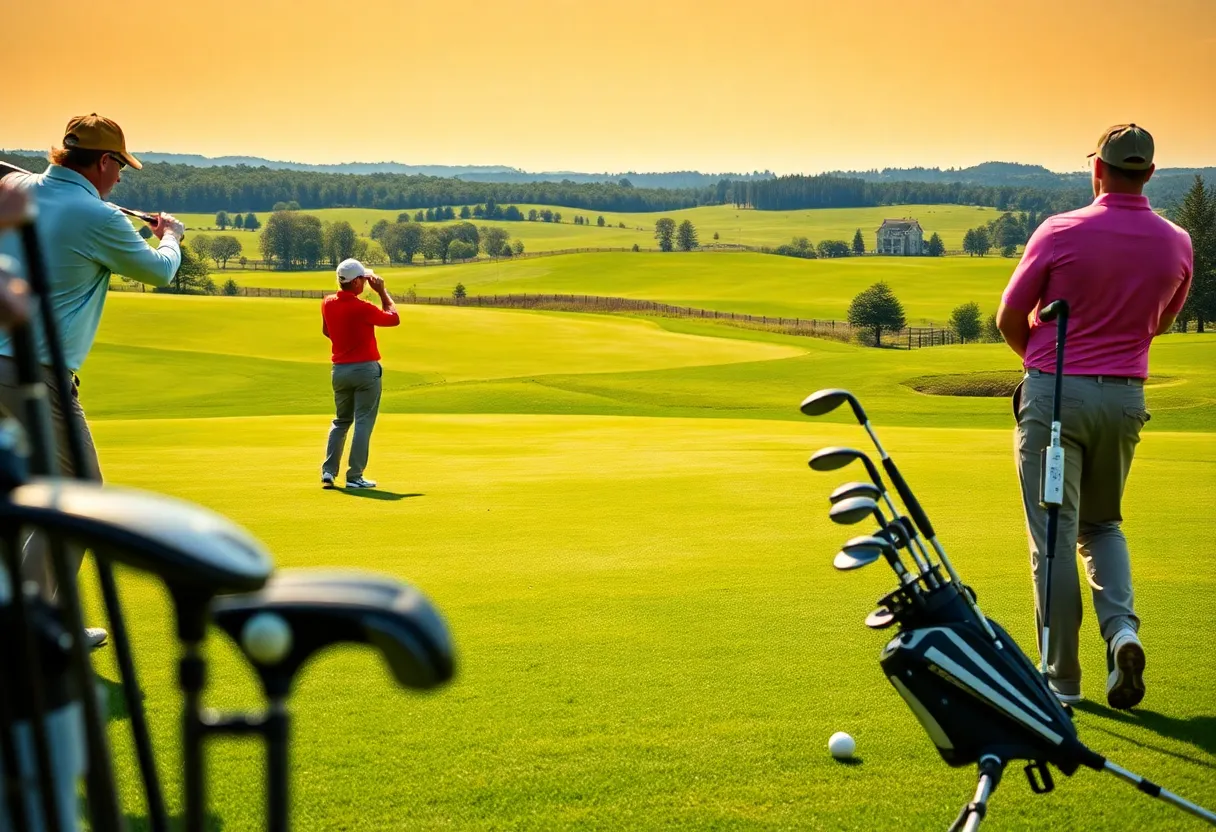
(84, 240)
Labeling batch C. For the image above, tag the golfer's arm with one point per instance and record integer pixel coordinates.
(125, 253)
(390, 308)
(1166, 324)
(1014, 327)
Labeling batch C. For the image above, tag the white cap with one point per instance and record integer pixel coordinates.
(351, 269)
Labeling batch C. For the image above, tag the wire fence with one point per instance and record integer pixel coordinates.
(908, 337)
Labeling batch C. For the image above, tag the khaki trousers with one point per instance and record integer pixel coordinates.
(1101, 418)
(35, 556)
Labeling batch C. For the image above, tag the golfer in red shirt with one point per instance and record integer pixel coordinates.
(350, 324)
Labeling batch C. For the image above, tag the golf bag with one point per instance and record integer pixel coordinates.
(977, 695)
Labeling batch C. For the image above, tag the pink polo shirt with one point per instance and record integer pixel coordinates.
(1121, 267)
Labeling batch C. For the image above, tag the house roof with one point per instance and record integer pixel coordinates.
(900, 225)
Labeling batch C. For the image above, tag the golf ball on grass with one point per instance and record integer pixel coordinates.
(266, 638)
(841, 745)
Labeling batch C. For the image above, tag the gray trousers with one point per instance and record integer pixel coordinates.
(35, 556)
(357, 400)
(1100, 418)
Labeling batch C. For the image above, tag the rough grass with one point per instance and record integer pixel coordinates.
(987, 384)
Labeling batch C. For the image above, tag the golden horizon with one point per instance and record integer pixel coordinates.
(781, 85)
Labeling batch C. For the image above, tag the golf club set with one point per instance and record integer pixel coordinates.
(52, 717)
(974, 691)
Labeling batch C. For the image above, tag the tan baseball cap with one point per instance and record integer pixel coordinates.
(94, 132)
(1126, 146)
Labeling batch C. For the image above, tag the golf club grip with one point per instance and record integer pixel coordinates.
(905, 493)
(1057, 308)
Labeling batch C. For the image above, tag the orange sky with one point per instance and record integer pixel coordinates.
(613, 85)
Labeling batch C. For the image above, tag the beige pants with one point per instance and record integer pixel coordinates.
(35, 559)
(1100, 418)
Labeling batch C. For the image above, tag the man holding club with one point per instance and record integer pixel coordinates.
(1124, 272)
(350, 324)
(84, 239)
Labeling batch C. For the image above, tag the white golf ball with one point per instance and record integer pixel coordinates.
(841, 745)
(266, 638)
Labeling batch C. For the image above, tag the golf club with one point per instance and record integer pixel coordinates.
(853, 510)
(151, 219)
(855, 489)
(825, 401)
(1051, 489)
(299, 614)
(832, 458)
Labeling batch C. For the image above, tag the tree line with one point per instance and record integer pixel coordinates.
(787, 193)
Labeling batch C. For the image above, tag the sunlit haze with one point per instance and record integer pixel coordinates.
(715, 85)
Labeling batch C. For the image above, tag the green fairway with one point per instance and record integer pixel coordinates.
(735, 226)
(760, 284)
(616, 517)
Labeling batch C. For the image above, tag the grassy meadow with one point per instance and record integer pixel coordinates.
(616, 518)
(760, 284)
(734, 226)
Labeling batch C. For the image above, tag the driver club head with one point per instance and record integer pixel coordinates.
(825, 401)
(323, 608)
(856, 557)
(853, 510)
(855, 489)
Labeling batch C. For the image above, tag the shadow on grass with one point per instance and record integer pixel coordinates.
(115, 705)
(849, 761)
(1199, 731)
(375, 494)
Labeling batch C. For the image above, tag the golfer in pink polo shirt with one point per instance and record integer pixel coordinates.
(1125, 272)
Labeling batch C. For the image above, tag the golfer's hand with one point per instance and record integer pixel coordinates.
(12, 205)
(168, 224)
(376, 282)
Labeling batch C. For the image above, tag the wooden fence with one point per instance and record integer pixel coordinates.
(909, 337)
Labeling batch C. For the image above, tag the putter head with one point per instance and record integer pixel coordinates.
(829, 459)
(322, 608)
(853, 510)
(827, 400)
(856, 557)
(855, 489)
(188, 547)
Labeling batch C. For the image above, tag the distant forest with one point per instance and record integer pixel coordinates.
(191, 188)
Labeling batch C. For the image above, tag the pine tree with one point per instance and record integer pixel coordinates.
(1197, 215)
(859, 243)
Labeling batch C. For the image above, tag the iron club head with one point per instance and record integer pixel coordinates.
(853, 510)
(855, 489)
(827, 400)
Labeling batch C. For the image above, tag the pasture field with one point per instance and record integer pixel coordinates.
(734, 226)
(616, 518)
(760, 284)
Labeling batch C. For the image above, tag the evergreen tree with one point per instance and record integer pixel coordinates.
(1197, 215)
(935, 247)
(878, 309)
(686, 236)
(859, 243)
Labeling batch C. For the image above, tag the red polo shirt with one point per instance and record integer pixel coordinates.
(351, 324)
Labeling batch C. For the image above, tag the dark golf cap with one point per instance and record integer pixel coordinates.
(1126, 146)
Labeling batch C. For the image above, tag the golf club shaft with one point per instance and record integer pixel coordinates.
(1153, 790)
(922, 522)
(191, 677)
(102, 791)
(31, 663)
(990, 767)
(278, 808)
(14, 790)
(914, 543)
(1053, 477)
(151, 219)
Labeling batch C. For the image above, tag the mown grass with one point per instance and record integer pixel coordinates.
(650, 634)
(734, 226)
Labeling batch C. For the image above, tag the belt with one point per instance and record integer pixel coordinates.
(1127, 380)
